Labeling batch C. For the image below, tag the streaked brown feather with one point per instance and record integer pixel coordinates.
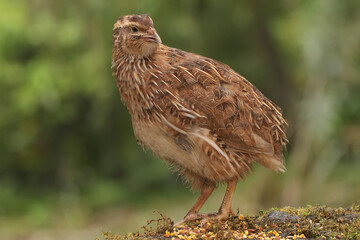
(197, 113)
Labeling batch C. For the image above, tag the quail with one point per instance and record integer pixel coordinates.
(204, 119)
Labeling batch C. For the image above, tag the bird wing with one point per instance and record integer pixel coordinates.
(209, 94)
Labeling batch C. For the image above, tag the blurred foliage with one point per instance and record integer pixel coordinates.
(66, 138)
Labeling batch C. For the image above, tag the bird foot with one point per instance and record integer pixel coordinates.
(215, 216)
(205, 218)
(191, 217)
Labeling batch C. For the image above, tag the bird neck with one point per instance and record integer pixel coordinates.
(131, 74)
(126, 66)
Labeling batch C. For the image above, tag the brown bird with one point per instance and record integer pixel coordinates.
(204, 119)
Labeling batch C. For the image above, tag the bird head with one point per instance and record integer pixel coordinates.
(135, 35)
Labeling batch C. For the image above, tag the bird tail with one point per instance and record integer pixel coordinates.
(273, 162)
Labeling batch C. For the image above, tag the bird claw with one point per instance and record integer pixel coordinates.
(205, 218)
(191, 217)
(214, 216)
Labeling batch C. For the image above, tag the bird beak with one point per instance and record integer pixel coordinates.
(152, 36)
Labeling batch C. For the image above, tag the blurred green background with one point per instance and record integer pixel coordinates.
(69, 163)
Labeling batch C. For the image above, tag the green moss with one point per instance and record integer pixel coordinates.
(320, 222)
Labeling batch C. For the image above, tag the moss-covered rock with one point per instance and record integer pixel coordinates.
(320, 222)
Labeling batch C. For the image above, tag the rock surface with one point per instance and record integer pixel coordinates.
(319, 222)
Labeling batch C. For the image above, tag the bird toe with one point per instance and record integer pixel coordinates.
(215, 217)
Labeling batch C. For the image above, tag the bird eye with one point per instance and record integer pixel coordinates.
(134, 29)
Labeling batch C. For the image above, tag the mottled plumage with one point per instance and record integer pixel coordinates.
(196, 113)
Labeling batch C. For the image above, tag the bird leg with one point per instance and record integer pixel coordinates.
(225, 208)
(193, 213)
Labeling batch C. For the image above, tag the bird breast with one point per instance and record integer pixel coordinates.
(196, 151)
